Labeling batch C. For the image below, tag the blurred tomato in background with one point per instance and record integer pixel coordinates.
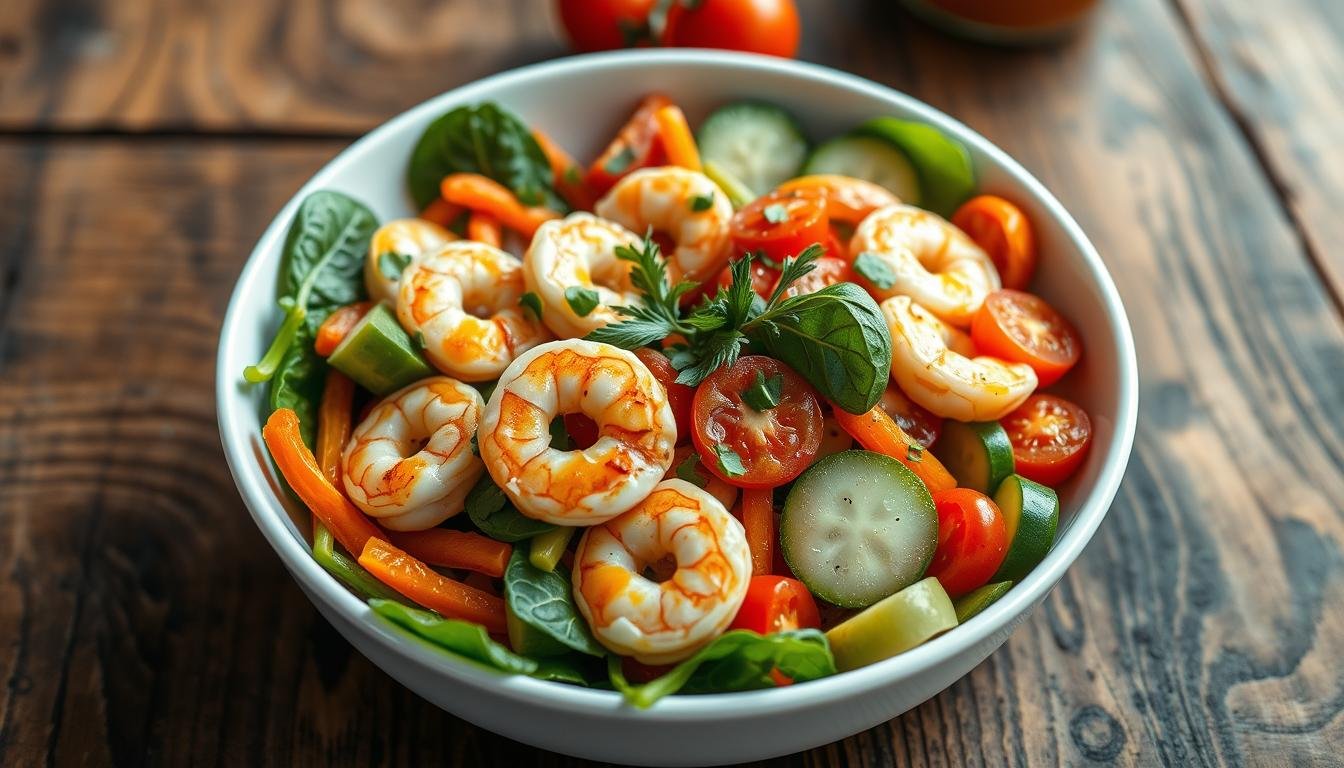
(759, 26)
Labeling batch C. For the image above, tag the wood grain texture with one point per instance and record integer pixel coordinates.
(143, 620)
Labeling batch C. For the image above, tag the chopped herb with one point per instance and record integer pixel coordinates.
(621, 161)
(532, 302)
(572, 175)
(914, 452)
(582, 300)
(730, 463)
(689, 470)
(475, 447)
(702, 203)
(392, 264)
(763, 394)
(419, 339)
(875, 270)
(776, 213)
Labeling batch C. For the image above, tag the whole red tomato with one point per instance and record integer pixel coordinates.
(759, 26)
(601, 25)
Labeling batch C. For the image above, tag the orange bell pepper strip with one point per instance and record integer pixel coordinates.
(441, 212)
(484, 228)
(758, 518)
(455, 549)
(481, 193)
(678, 142)
(416, 581)
(636, 146)
(332, 331)
(877, 432)
(300, 469)
(566, 174)
(333, 424)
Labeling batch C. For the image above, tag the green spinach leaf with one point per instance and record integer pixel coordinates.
(573, 669)
(544, 601)
(462, 638)
(489, 508)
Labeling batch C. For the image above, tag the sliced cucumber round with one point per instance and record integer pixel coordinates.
(870, 158)
(977, 453)
(974, 602)
(759, 144)
(895, 625)
(946, 172)
(858, 526)
(1031, 515)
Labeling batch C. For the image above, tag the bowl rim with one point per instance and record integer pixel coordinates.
(234, 411)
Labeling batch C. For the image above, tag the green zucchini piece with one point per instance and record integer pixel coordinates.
(978, 453)
(895, 625)
(869, 158)
(759, 143)
(974, 602)
(1031, 515)
(946, 174)
(379, 355)
(545, 549)
(739, 194)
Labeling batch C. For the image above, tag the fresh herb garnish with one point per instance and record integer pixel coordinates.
(875, 270)
(392, 264)
(620, 161)
(763, 394)
(572, 175)
(532, 302)
(689, 470)
(419, 339)
(702, 203)
(776, 213)
(582, 300)
(729, 462)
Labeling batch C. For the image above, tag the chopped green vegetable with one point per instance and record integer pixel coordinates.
(738, 193)
(461, 638)
(875, 270)
(758, 142)
(869, 158)
(379, 355)
(619, 162)
(946, 174)
(545, 549)
(689, 470)
(895, 625)
(764, 393)
(392, 264)
(532, 302)
(1031, 516)
(347, 571)
(702, 203)
(974, 602)
(582, 300)
(544, 601)
(490, 510)
(977, 453)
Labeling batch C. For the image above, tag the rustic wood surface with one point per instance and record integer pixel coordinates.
(143, 620)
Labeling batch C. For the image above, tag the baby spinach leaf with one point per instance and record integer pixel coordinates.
(573, 669)
(484, 139)
(736, 661)
(544, 601)
(489, 508)
(298, 382)
(461, 638)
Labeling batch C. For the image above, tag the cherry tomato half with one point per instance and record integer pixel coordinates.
(1004, 232)
(1050, 437)
(825, 271)
(847, 199)
(636, 146)
(776, 604)
(1021, 328)
(603, 25)
(750, 448)
(763, 278)
(917, 422)
(760, 26)
(780, 225)
(972, 540)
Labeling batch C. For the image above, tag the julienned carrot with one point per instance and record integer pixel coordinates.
(415, 580)
(333, 423)
(676, 136)
(481, 193)
(332, 331)
(455, 549)
(297, 464)
(484, 228)
(566, 174)
(877, 432)
(758, 518)
(441, 212)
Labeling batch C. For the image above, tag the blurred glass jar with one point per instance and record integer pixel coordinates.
(1012, 22)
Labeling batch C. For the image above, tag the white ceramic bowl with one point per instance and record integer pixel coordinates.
(580, 101)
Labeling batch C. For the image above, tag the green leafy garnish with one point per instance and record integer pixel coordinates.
(763, 394)
(875, 270)
(776, 213)
(620, 161)
(392, 264)
(490, 510)
(582, 300)
(702, 203)
(730, 463)
(461, 638)
(689, 470)
(532, 302)
(544, 601)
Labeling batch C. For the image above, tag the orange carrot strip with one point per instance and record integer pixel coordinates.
(758, 518)
(455, 549)
(726, 493)
(678, 142)
(484, 228)
(415, 580)
(441, 212)
(481, 193)
(333, 424)
(877, 432)
(566, 173)
(480, 581)
(350, 527)
(332, 331)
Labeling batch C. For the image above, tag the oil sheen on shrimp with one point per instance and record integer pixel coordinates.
(463, 301)
(663, 200)
(929, 259)
(931, 362)
(636, 432)
(698, 550)
(579, 251)
(391, 246)
(410, 463)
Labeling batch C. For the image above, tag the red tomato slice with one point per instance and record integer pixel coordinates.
(917, 422)
(972, 540)
(635, 146)
(763, 278)
(780, 225)
(1004, 232)
(1022, 328)
(847, 199)
(1050, 437)
(679, 396)
(826, 271)
(776, 604)
(750, 448)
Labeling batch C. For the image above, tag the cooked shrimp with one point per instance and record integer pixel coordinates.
(636, 432)
(847, 199)
(931, 361)
(579, 251)
(463, 301)
(930, 260)
(664, 200)
(689, 540)
(396, 245)
(410, 461)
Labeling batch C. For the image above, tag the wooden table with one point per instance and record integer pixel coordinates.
(145, 145)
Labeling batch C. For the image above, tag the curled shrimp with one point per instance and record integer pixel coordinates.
(395, 246)
(846, 199)
(636, 432)
(579, 251)
(932, 362)
(409, 462)
(929, 260)
(684, 535)
(669, 200)
(463, 301)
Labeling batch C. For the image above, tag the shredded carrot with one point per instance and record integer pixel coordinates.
(456, 549)
(415, 580)
(332, 331)
(877, 432)
(350, 527)
(480, 581)
(333, 424)
(678, 142)
(441, 212)
(481, 193)
(566, 173)
(484, 228)
(758, 518)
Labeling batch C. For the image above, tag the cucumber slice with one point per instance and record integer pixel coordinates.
(1031, 515)
(858, 526)
(977, 453)
(970, 604)
(869, 158)
(895, 625)
(759, 144)
(946, 174)
(737, 192)
(379, 355)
